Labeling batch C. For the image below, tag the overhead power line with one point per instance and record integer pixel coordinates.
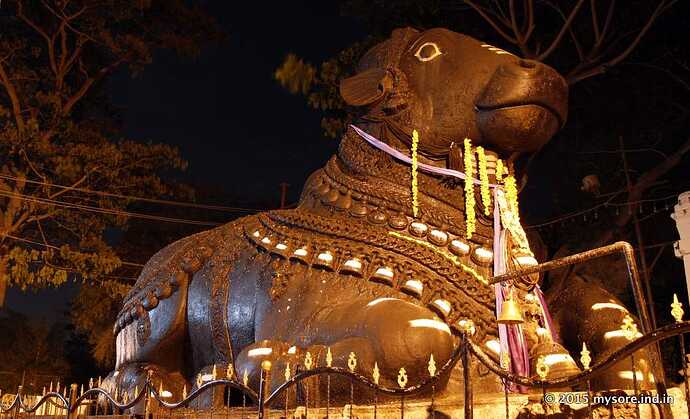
(136, 198)
(50, 246)
(108, 211)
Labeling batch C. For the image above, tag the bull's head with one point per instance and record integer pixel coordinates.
(449, 86)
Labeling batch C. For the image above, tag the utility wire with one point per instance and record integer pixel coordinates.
(109, 211)
(136, 198)
(607, 203)
(50, 246)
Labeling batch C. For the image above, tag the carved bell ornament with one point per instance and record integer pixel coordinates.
(511, 312)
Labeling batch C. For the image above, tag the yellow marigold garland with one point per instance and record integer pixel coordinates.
(470, 217)
(484, 179)
(415, 186)
(512, 196)
(500, 171)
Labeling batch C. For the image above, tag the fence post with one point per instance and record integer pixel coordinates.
(264, 387)
(466, 376)
(72, 401)
(18, 398)
(147, 397)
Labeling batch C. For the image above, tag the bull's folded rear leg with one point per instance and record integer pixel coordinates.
(387, 332)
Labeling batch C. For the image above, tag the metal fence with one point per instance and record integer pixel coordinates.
(292, 398)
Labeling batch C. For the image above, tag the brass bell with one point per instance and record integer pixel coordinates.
(511, 312)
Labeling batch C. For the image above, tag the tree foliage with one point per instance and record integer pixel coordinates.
(60, 140)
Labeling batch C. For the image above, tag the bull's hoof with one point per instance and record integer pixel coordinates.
(129, 380)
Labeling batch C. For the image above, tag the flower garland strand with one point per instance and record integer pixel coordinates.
(470, 217)
(500, 171)
(415, 186)
(512, 196)
(484, 179)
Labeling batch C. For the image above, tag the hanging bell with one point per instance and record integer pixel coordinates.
(511, 312)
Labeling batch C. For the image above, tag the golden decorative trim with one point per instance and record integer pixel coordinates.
(454, 259)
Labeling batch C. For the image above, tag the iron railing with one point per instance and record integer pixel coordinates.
(149, 401)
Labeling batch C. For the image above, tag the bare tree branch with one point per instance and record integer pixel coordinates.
(76, 97)
(643, 183)
(562, 32)
(595, 20)
(490, 21)
(576, 76)
(14, 97)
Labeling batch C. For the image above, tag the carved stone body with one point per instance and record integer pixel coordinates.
(350, 268)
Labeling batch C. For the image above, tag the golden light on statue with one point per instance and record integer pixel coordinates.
(511, 312)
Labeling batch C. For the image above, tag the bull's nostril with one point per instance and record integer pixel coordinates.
(526, 64)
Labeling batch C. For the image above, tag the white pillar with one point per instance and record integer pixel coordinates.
(681, 215)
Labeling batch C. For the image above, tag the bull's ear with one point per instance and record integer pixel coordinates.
(366, 87)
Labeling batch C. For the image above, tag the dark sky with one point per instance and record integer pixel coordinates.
(237, 127)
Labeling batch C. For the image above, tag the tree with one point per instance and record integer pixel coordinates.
(32, 353)
(64, 166)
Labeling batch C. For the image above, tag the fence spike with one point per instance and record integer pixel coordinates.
(214, 373)
(100, 383)
(90, 383)
(677, 309)
(629, 327)
(184, 392)
(136, 391)
(432, 366)
(245, 378)
(329, 358)
(81, 393)
(199, 381)
(402, 377)
(51, 387)
(229, 371)
(287, 372)
(376, 374)
(542, 367)
(505, 360)
(308, 361)
(585, 359)
(352, 361)
(57, 387)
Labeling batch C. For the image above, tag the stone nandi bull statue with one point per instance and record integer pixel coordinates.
(352, 268)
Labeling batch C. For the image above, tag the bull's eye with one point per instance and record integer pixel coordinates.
(427, 52)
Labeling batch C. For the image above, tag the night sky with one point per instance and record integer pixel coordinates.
(240, 131)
